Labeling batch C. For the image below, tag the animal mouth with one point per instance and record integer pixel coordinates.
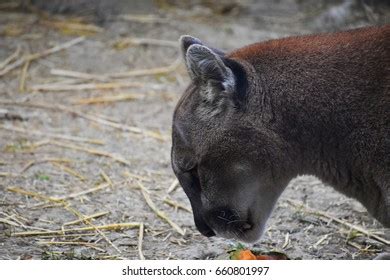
(230, 224)
(208, 233)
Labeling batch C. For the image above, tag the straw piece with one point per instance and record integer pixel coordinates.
(108, 99)
(70, 171)
(320, 241)
(91, 151)
(140, 241)
(33, 162)
(286, 240)
(90, 117)
(72, 27)
(52, 135)
(86, 217)
(70, 235)
(91, 190)
(136, 176)
(173, 186)
(8, 174)
(134, 73)
(15, 220)
(126, 42)
(106, 178)
(88, 86)
(70, 209)
(87, 222)
(37, 55)
(158, 212)
(12, 57)
(23, 76)
(143, 18)
(76, 243)
(176, 205)
(344, 223)
(78, 75)
(145, 72)
(33, 194)
(113, 227)
(5, 221)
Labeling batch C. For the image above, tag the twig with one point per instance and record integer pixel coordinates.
(344, 223)
(53, 135)
(12, 57)
(107, 99)
(86, 217)
(158, 212)
(140, 241)
(37, 55)
(113, 227)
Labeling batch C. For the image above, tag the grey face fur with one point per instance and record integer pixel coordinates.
(227, 181)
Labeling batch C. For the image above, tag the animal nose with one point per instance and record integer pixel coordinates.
(246, 226)
(230, 219)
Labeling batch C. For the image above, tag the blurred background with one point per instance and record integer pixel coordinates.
(87, 92)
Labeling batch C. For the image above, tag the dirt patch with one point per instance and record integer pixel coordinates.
(74, 147)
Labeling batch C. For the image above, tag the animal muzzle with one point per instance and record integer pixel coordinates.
(226, 221)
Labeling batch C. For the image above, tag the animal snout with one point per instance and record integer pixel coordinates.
(228, 220)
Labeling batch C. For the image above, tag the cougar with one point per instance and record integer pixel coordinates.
(254, 118)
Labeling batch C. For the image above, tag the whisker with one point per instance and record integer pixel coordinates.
(223, 218)
(236, 221)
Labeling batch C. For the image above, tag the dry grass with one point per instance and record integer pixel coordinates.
(331, 218)
(31, 57)
(157, 211)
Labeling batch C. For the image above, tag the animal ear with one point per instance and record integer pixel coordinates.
(207, 68)
(185, 42)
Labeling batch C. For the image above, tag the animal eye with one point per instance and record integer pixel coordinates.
(192, 169)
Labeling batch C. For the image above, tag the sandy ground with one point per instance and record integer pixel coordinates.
(53, 146)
